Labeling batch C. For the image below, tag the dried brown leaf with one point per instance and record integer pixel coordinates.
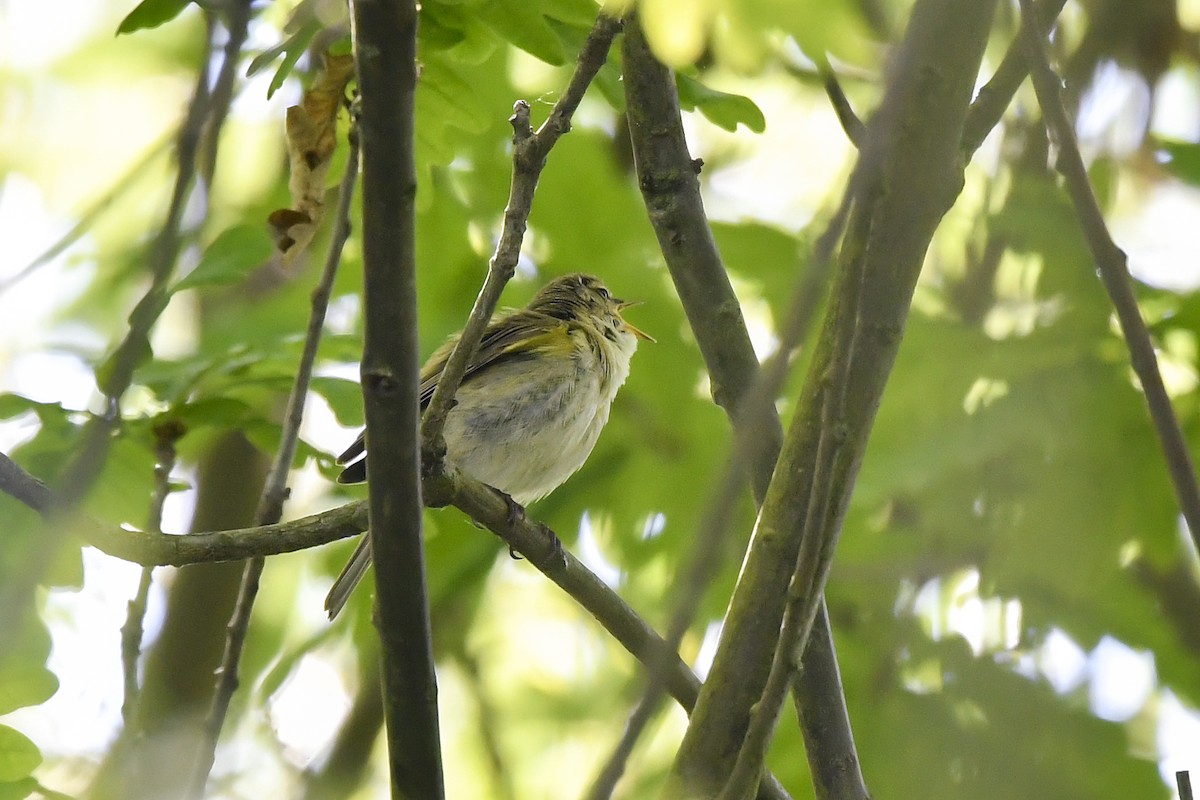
(312, 137)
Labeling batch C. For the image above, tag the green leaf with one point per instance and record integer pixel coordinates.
(344, 398)
(291, 49)
(720, 108)
(521, 23)
(221, 412)
(18, 790)
(231, 256)
(18, 755)
(151, 14)
(25, 684)
(14, 405)
(1182, 159)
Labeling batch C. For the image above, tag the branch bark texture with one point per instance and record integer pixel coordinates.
(668, 179)
(908, 175)
(385, 54)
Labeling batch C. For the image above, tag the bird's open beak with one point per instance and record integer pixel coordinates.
(624, 304)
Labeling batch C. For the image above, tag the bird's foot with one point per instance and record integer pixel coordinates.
(516, 511)
(515, 514)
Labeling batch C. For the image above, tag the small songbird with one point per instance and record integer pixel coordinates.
(532, 402)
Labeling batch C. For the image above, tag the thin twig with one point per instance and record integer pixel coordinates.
(851, 124)
(996, 95)
(48, 793)
(530, 150)
(131, 632)
(270, 507)
(1114, 271)
(1183, 781)
(237, 26)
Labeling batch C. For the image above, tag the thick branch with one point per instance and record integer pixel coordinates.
(672, 195)
(385, 55)
(1114, 271)
(912, 141)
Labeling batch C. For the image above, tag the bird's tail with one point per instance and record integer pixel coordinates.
(352, 573)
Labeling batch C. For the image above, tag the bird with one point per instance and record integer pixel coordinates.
(532, 402)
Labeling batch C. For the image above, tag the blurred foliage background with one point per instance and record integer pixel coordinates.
(1014, 601)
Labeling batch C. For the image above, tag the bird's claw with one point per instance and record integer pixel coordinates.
(516, 512)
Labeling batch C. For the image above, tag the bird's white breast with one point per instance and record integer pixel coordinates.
(533, 422)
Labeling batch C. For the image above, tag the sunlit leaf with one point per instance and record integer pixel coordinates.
(18, 755)
(24, 684)
(721, 108)
(229, 259)
(1181, 159)
(151, 14)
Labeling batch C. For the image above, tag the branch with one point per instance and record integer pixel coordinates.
(200, 130)
(131, 632)
(530, 150)
(384, 36)
(18, 483)
(270, 506)
(153, 549)
(752, 434)
(533, 540)
(671, 192)
(996, 95)
(818, 538)
(913, 140)
(1114, 272)
(851, 124)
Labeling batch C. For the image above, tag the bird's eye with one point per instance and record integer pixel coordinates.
(600, 290)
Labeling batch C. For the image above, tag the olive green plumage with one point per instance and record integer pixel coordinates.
(532, 402)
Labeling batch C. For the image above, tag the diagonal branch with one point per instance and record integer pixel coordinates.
(912, 140)
(671, 192)
(1114, 271)
(530, 150)
(270, 507)
(818, 535)
(115, 375)
(995, 95)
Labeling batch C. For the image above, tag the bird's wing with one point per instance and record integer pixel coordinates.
(514, 334)
(521, 332)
